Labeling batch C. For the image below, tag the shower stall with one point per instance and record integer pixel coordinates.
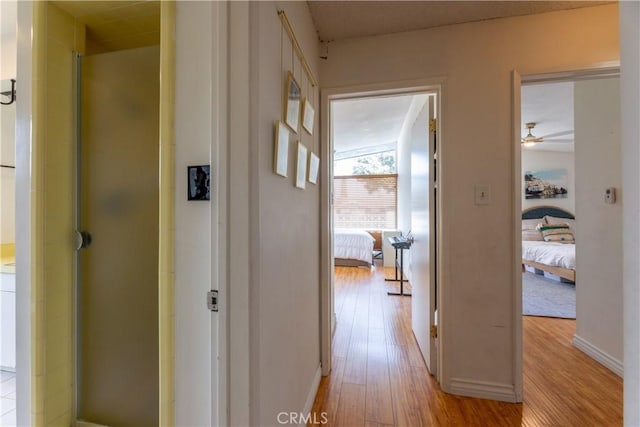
(117, 238)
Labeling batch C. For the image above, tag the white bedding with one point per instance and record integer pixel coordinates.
(353, 244)
(550, 253)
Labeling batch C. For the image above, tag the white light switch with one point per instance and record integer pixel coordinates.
(610, 195)
(482, 195)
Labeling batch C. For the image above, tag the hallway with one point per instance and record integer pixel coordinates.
(379, 378)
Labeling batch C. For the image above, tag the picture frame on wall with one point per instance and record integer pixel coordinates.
(301, 167)
(281, 149)
(199, 182)
(314, 166)
(292, 103)
(308, 116)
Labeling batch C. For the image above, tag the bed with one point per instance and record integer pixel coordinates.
(551, 257)
(353, 248)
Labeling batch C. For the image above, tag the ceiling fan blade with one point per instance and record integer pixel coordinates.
(560, 141)
(553, 135)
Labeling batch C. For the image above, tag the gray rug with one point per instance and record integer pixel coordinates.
(547, 298)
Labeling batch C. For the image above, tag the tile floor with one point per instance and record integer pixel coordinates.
(7, 398)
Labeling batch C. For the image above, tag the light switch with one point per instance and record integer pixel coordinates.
(482, 195)
(610, 195)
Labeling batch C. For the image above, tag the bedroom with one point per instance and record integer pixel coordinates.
(371, 177)
(570, 175)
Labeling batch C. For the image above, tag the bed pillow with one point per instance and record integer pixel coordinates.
(555, 220)
(530, 230)
(559, 233)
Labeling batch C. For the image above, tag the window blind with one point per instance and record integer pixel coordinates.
(365, 201)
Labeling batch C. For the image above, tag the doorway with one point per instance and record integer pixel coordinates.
(431, 91)
(591, 144)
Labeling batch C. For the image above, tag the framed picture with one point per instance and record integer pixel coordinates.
(308, 115)
(301, 169)
(199, 182)
(546, 184)
(292, 103)
(314, 165)
(281, 149)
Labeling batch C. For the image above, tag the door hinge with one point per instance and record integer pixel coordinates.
(434, 331)
(212, 300)
(433, 125)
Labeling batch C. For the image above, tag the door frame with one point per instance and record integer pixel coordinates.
(519, 79)
(327, 303)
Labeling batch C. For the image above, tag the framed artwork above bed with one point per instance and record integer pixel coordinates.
(546, 184)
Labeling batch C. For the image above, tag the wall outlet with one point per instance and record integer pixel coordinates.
(482, 195)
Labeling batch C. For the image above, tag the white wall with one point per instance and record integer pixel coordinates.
(630, 110)
(284, 224)
(599, 225)
(535, 160)
(199, 140)
(476, 61)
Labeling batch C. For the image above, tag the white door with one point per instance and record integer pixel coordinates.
(423, 226)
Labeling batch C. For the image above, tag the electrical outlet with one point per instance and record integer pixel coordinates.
(482, 195)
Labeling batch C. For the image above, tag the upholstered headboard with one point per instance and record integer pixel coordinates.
(542, 211)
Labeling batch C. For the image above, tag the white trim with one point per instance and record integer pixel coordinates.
(239, 244)
(313, 391)
(24, 215)
(598, 355)
(483, 390)
(219, 217)
(516, 250)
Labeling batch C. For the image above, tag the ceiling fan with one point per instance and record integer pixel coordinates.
(530, 139)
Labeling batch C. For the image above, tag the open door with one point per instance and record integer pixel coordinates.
(423, 225)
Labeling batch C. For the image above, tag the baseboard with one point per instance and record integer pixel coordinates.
(483, 390)
(598, 355)
(313, 391)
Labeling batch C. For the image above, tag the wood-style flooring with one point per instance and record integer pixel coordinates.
(379, 378)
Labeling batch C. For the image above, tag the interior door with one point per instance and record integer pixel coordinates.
(423, 226)
(117, 303)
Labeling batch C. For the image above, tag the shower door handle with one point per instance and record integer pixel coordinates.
(83, 240)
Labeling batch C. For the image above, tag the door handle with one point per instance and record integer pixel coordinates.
(83, 240)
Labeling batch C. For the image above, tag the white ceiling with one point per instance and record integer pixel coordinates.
(550, 106)
(368, 122)
(335, 20)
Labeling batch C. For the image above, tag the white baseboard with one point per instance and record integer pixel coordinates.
(311, 396)
(484, 390)
(598, 355)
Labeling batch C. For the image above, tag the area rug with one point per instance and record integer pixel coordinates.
(547, 297)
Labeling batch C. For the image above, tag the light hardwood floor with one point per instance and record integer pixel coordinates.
(379, 377)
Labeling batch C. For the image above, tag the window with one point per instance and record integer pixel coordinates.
(365, 192)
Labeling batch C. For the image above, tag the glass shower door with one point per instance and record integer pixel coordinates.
(117, 302)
